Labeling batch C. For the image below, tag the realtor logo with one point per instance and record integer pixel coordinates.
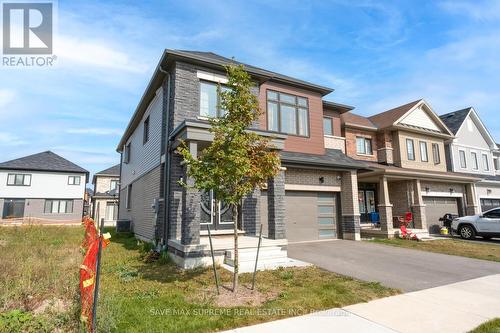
(27, 27)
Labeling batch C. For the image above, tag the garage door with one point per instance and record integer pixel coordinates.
(435, 208)
(310, 215)
(487, 204)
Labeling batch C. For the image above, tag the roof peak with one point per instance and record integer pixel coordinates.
(43, 161)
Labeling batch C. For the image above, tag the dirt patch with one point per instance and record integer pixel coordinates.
(244, 296)
(52, 306)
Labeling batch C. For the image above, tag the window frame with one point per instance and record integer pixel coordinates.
(116, 181)
(436, 155)
(218, 111)
(128, 201)
(486, 162)
(365, 151)
(496, 211)
(126, 153)
(145, 130)
(413, 157)
(74, 180)
(24, 175)
(474, 160)
(51, 206)
(296, 106)
(460, 152)
(421, 145)
(330, 120)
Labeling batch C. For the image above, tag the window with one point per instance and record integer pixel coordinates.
(58, 206)
(486, 164)
(364, 146)
(126, 153)
(475, 165)
(463, 161)
(18, 179)
(423, 151)
(495, 164)
(113, 185)
(74, 180)
(327, 126)
(210, 100)
(327, 214)
(410, 149)
(145, 133)
(287, 113)
(128, 203)
(493, 214)
(435, 153)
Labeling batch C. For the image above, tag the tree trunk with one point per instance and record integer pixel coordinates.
(236, 255)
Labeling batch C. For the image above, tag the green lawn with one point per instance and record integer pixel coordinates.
(492, 326)
(449, 246)
(39, 288)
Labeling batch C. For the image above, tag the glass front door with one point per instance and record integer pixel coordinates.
(215, 213)
(367, 204)
(13, 208)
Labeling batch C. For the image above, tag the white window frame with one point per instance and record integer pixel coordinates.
(474, 160)
(436, 155)
(365, 146)
(423, 151)
(116, 181)
(58, 204)
(408, 141)
(330, 120)
(72, 180)
(128, 200)
(126, 153)
(26, 179)
(486, 163)
(464, 165)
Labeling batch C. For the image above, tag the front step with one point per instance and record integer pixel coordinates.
(268, 253)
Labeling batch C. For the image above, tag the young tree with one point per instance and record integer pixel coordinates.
(237, 160)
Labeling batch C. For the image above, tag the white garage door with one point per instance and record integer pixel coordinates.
(435, 208)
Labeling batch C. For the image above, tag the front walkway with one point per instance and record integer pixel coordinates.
(457, 307)
(405, 269)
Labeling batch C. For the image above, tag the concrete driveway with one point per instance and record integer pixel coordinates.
(405, 269)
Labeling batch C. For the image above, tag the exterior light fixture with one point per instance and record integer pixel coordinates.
(321, 180)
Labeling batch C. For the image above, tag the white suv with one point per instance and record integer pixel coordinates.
(486, 225)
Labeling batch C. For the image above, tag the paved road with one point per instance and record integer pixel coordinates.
(406, 269)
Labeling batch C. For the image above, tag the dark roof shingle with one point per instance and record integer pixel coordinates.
(45, 161)
(455, 119)
(357, 120)
(388, 118)
(331, 158)
(112, 171)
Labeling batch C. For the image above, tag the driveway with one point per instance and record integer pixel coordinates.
(405, 269)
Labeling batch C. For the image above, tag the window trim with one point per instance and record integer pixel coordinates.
(128, 201)
(58, 206)
(278, 102)
(421, 145)
(126, 153)
(218, 110)
(145, 130)
(330, 119)
(436, 153)
(111, 182)
(473, 156)
(74, 178)
(365, 139)
(413, 150)
(460, 158)
(486, 166)
(15, 176)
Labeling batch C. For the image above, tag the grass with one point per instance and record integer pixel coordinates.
(492, 326)
(449, 246)
(41, 263)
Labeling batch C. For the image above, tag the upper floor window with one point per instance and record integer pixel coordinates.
(424, 156)
(364, 146)
(287, 113)
(327, 126)
(18, 179)
(475, 164)
(113, 184)
(486, 163)
(58, 206)
(210, 100)
(435, 153)
(145, 133)
(410, 149)
(126, 153)
(495, 164)
(128, 200)
(463, 160)
(74, 180)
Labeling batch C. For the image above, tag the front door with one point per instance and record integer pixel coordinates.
(366, 204)
(13, 208)
(215, 213)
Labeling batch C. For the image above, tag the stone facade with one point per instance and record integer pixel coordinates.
(312, 177)
(350, 208)
(251, 213)
(276, 206)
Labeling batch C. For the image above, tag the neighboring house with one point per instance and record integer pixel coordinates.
(405, 150)
(474, 151)
(106, 195)
(43, 187)
(313, 197)
(87, 201)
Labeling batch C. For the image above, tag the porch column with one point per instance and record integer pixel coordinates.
(190, 206)
(472, 205)
(385, 207)
(418, 207)
(251, 212)
(350, 206)
(276, 206)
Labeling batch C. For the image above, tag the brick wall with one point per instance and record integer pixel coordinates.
(350, 141)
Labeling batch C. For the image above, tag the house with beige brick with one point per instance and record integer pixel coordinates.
(105, 197)
(404, 149)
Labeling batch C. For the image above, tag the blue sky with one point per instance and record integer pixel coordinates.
(376, 55)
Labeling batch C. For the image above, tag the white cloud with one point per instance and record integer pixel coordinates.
(9, 139)
(95, 131)
(478, 10)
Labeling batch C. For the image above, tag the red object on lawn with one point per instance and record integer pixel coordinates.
(407, 220)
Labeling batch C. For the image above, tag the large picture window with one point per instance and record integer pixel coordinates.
(18, 179)
(58, 206)
(287, 113)
(210, 100)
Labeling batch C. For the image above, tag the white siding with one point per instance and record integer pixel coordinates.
(44, 185)
(420, 118)
(470, 135)
(144, 157)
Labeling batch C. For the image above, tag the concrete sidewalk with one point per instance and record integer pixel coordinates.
(457, 307)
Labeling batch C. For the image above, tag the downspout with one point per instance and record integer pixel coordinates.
(166, 171)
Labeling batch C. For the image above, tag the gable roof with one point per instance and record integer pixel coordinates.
(455, 119)
(389, 117)
(111, 171)
(353, 120)
(209, 60)
(44, 161)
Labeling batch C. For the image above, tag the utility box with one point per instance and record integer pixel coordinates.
(123, 226)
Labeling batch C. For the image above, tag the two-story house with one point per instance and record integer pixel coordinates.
(313, 197)
(42, 188)
(105, 195)
(473, 151)
(405, 151)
